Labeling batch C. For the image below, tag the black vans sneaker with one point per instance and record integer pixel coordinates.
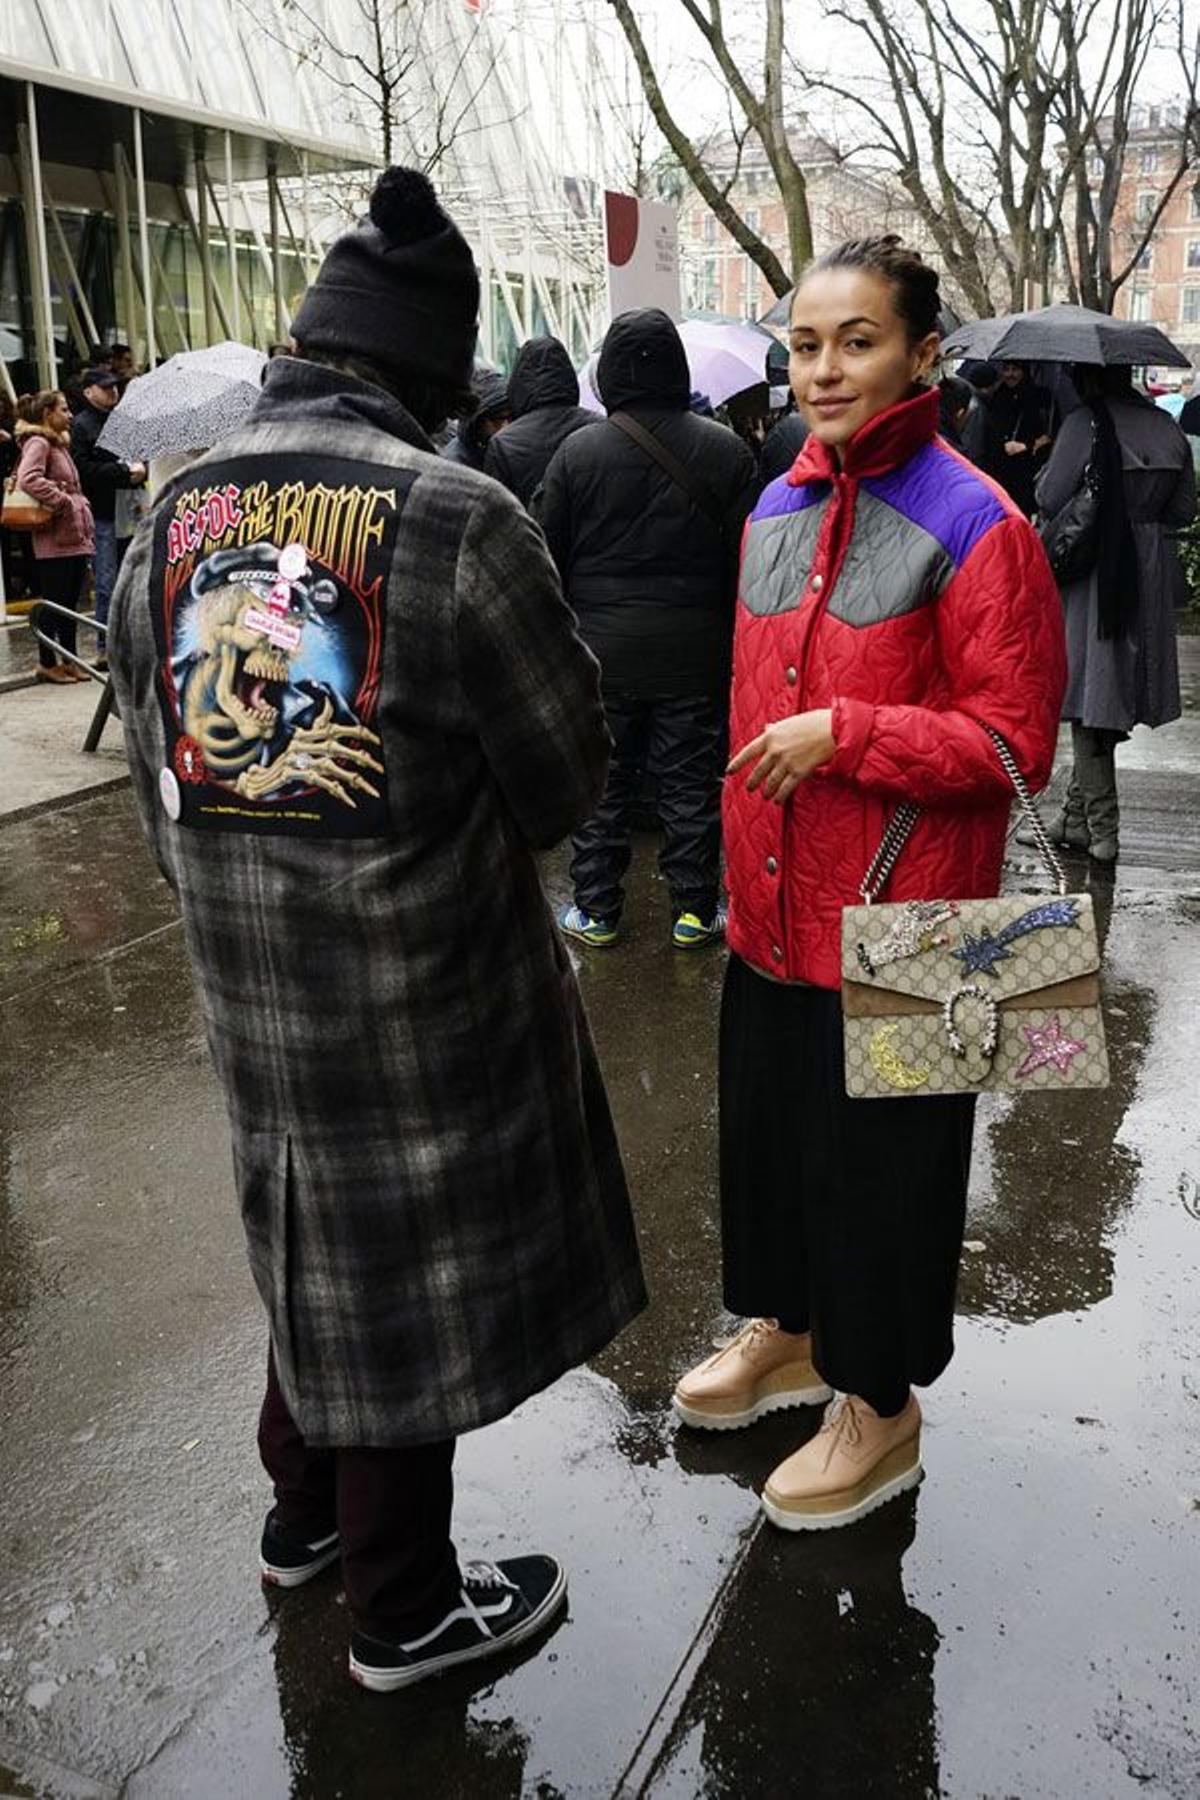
(286, 1561)
(501, 1604)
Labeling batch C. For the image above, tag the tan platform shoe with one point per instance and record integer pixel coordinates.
(759, 1371)
(856, 1462)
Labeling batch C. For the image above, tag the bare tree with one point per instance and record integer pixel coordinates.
(995, 123)
(758, 109)
(401, 65)
(1099, 248)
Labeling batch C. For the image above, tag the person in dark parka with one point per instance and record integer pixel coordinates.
(1019, 408)
(785, 440)
(982, 437)
(356, 706)
(651, 571)
(543, 396)
(474, 431)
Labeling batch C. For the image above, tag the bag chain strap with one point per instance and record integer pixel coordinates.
(1033, 817)
(900, 829)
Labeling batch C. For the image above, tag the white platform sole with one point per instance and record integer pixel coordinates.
(387, 1681)
(794, 1521)
(706, 1421)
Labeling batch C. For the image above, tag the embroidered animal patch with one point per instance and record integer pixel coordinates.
(269, 605)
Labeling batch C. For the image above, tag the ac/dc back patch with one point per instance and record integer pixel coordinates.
(268, 591)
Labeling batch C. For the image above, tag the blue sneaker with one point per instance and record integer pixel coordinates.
(691, 933)
(578, 924)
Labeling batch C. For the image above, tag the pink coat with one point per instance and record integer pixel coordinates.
(47, 473)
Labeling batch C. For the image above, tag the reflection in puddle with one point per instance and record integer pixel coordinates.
(339, 1741)
(820, 1677)
(1060, 1180)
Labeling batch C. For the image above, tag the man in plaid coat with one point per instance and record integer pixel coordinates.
(356, 705)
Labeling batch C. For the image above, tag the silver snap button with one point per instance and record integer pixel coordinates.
(791, 677)
(169, 793)
(818, 582)
(772, 866)
(776, 953)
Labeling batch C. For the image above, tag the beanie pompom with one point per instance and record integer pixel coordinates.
(405, 208)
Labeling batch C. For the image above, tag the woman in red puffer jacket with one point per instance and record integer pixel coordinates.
(61, 548)
(892, 602)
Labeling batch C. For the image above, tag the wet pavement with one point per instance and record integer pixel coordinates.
(18, 653)
(1027, 1623)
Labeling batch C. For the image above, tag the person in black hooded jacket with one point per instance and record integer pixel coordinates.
(543, 399)
(650, 566)
(473, 433)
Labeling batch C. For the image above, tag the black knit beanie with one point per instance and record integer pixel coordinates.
(402, 290)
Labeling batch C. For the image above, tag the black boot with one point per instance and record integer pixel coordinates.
(1067, 828)
(1096, 773)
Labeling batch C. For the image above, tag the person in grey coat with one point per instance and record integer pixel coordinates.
(356, 707)
(1120, 618)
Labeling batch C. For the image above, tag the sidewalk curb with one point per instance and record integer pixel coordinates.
(56, 802)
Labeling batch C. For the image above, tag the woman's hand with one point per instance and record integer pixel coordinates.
(1015, 447)
(786, 753)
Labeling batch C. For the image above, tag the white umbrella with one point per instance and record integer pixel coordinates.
(189, 402)
(724, 359)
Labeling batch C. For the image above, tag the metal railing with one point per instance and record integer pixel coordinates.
(107, 703)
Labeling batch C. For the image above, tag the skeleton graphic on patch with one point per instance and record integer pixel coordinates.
(269, 599)
(255, 666)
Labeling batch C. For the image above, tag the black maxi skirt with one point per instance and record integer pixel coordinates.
(841, 1216)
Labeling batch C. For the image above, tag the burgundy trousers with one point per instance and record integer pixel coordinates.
(391, 1507)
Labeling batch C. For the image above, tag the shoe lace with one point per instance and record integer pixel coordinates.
(841, 1423)
(748, 1338)
(485, 1575)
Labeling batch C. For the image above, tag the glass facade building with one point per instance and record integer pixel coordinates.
(170, 170)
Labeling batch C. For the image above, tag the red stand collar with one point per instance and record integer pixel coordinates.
(884, 442)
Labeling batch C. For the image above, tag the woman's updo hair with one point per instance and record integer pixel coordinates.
(38, 405)
(914, 284)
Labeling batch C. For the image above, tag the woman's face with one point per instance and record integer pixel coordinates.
(58, 417)
(850, 354)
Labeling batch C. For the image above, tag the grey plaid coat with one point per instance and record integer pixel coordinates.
(431, 1188)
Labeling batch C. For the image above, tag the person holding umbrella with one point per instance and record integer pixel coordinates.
(1120, 616)
(103, 477)
(1020, 410)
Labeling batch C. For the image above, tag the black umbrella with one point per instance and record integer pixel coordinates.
(1067, 334)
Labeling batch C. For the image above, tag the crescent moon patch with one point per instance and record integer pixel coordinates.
(889, 1065)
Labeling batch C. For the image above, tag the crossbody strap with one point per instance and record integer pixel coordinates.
(670, 464)
(903, 820)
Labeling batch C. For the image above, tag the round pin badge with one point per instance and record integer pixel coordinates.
(293, 562)
(169, 793)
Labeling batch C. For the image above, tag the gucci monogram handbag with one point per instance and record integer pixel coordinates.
(971, 996)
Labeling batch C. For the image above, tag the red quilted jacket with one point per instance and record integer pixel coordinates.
(906, 592)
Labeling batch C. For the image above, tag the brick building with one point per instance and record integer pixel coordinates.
(1165, 288)
(844, 201)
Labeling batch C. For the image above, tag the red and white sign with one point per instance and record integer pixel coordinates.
(643, 254)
